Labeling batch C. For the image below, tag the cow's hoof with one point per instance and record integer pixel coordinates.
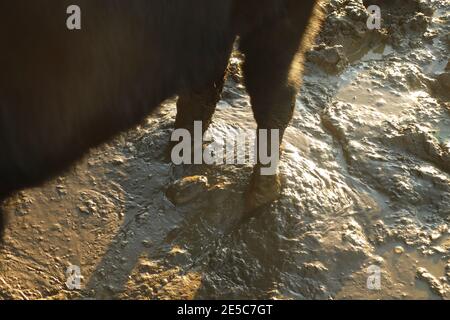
(262, 191)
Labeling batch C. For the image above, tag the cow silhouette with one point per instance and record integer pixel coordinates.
(64, 91)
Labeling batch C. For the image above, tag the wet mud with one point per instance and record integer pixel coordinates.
(365, 175)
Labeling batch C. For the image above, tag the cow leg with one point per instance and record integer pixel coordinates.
(199, 104)
(272, 71)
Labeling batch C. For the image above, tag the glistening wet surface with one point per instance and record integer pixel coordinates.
(366, 182)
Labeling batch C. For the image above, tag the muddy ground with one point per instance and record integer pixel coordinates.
(366, 176)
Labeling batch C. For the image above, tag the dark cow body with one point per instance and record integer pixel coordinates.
(63, 92)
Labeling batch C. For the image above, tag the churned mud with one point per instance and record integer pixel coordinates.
(365, 171)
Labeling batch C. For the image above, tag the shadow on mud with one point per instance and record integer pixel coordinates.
(207, 248)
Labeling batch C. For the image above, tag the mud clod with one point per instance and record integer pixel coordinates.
(187, 189)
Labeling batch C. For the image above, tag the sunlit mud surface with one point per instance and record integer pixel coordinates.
(366, 176)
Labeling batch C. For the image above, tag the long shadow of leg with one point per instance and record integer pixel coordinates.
(112, 274)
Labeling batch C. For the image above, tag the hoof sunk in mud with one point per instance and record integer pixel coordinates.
(262, 191)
